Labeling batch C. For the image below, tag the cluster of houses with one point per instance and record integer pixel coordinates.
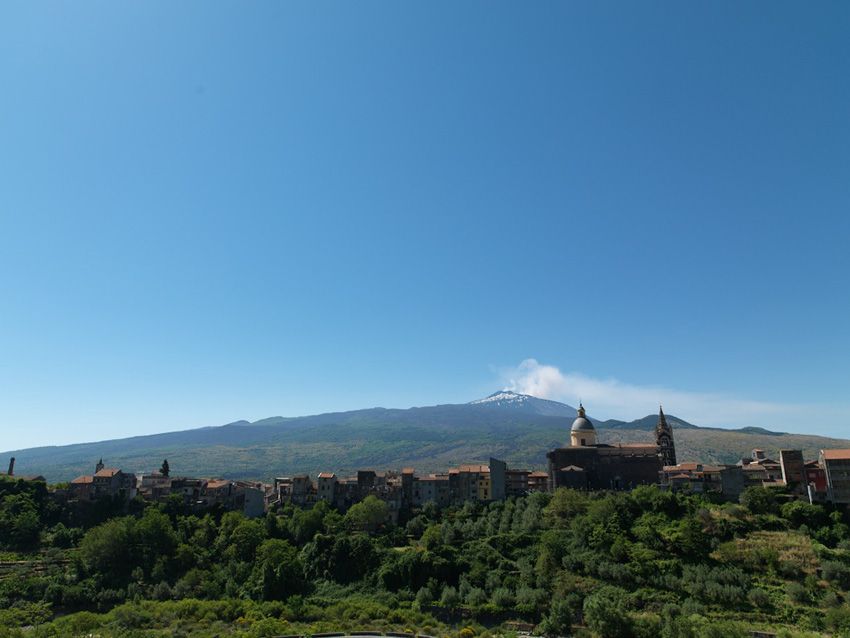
(200, 493)
(494, 481)
(475, 482)
(821, 480)
(584, 464)
(825, 479)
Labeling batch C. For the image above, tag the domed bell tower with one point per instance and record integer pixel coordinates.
(582, 433)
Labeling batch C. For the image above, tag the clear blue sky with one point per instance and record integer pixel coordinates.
(216, 211)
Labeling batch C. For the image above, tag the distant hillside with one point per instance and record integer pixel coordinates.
(517, 428)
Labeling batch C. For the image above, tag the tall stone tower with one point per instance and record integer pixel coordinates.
(664, 440)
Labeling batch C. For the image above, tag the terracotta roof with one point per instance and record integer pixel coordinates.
(680, 476)
(692, 467)
(572, 468)
(836, 455)
(107, 472)
(407, 470)
(217, 483)
(83, 479)
(539, 474)
(326, 475)
(474, 468)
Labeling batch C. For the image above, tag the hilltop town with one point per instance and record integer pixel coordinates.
(584, 464)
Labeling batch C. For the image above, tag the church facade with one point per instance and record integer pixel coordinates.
(589, 465)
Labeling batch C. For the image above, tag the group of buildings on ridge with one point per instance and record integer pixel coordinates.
(584, 464)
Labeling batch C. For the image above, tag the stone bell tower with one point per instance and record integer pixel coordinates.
(664, 440)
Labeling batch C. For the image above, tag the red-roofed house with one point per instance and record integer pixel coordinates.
(105, 482)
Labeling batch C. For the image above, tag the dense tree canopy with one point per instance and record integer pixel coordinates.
(642, 563)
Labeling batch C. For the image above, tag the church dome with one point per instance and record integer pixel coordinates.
(582, 423)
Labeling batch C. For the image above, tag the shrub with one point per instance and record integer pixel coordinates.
(450, 597)
(838, 618)
(503, 597)
(758, 598)
(837, 572)
(161, 591)
(476, 597)
(760, 500)
(82, 622)
(424, 596)
(797, 593)
(559, 619)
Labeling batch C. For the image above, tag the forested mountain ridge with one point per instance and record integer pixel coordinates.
(514, 427)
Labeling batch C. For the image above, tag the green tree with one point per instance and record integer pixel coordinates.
(760, 500)
(432, 537)
(503, 597)
(105, 550)
(558, 621)
(368, 515)
(153, 538)
(278, 570)
(305, 524)
(565, 505)
(424, 596)
(20, 525)
(800, 513)
(476, 597)
(605, 613)
(450, 597)
(759, 598)
(245, 539)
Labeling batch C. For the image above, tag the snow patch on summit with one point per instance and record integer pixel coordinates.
(504, 396)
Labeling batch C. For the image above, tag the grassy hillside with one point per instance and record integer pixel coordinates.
(428, 439)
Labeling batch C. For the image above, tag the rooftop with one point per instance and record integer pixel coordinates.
(474, 468)
(692, 467)
(836, 455)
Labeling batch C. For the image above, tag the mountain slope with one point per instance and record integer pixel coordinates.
(517, 428)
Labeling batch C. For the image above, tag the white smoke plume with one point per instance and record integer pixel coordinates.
(611, 398)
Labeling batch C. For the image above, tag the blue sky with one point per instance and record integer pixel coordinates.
(217, 211)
